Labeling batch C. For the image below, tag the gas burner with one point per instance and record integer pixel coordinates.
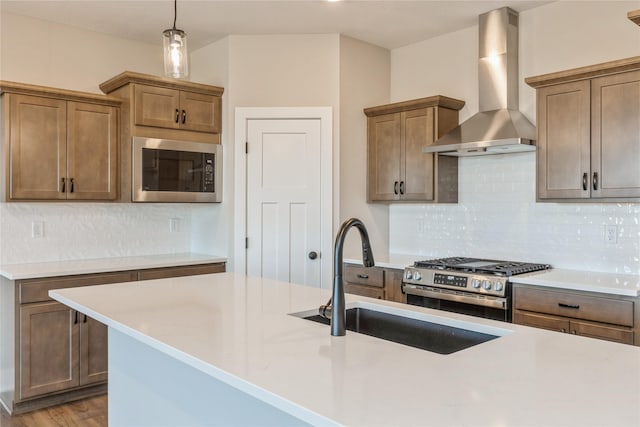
(483, 266)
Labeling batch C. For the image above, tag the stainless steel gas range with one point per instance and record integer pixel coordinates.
(473, 286)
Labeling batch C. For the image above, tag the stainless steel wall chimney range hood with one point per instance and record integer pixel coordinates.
(499, 127)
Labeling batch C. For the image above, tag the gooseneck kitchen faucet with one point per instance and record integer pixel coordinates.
(336, 304)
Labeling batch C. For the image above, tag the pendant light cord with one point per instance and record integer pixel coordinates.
(175, 13)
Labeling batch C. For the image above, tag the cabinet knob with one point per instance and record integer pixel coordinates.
(313, 255)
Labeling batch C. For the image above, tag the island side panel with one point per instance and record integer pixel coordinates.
(7, 342)
(149, 388)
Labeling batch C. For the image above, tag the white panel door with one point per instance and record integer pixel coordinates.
(283, 199)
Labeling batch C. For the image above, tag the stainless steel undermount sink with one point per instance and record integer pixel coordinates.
(425, 332)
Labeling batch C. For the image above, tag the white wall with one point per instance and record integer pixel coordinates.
(497, 215)
(40, 52)
(261, 71)
(364, 82)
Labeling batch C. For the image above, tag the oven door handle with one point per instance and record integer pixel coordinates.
(495, 302)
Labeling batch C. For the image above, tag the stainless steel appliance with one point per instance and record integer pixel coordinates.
(473, 286)
(165, 170)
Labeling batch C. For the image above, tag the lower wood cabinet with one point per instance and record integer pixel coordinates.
(58, 354)
(374, 282)
(606, 317)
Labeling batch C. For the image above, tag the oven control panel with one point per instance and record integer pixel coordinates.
(461, 281)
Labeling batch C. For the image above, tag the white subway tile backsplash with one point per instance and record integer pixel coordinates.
(498, 217)
(91, 230)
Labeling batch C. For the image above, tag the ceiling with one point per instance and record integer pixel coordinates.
(386, 23)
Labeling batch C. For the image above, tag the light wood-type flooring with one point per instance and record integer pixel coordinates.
(90, 412)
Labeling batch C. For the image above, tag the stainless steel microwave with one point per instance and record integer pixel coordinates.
(165, 170)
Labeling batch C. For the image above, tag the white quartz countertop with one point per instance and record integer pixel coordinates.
(397, 261)
(237, 329)
(608, 283)
(101, 265)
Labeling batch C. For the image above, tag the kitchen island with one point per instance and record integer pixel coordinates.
(224, 349)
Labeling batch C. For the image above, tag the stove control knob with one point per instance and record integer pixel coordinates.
(408, 275)
(475, 283)
(417, 275)
(486, 284)
(499, 286)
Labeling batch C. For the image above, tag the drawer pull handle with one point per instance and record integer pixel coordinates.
(177, 115)
(64, 186)
(75, 320)
(563, 305)
(401, 187)
(363, 276)
(395, 188)
(585, 177)
(595, 181)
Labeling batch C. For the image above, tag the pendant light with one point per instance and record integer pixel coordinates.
(176, 61)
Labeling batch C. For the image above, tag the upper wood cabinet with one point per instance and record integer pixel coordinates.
(59, 145)
(176, 109)
(168, 108)
(589, 133)
(397, 168)
(634, 16)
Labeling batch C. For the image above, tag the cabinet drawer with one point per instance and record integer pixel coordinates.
(363, 276)
(365, 291)
(36, 290)
(577, 306)
(541, 321)
(190, 270)
(604, 332)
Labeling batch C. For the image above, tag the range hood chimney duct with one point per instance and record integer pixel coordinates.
(499, 127)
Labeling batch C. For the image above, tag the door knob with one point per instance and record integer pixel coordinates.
(313, 255)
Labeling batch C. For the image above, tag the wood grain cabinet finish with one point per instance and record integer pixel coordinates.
(188, 270)
(605, 317)
(589, 133)
(397, 168)
(176, 109)
(374, 282)
(60, 145)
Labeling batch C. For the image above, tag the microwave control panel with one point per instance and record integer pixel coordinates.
(209, 173)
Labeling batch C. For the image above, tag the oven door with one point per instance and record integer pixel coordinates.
(459, 302)
(176, 171)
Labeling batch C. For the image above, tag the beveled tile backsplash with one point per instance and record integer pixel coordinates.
(498, 217)
(91, 230)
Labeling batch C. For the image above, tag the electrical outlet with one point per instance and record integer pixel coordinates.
(37, 229)
(611, 234)
(174, 225)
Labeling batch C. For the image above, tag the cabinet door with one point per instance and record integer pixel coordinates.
(37, 153)
(200, 112)
(542, 321)
(615, 135)
(93, 351)
(48, 358)
(156, 106)
(563, 167)
(601, 331)
(393, 286)
(92, 150)
(383, 178)
(365, 291)
(416, 167)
